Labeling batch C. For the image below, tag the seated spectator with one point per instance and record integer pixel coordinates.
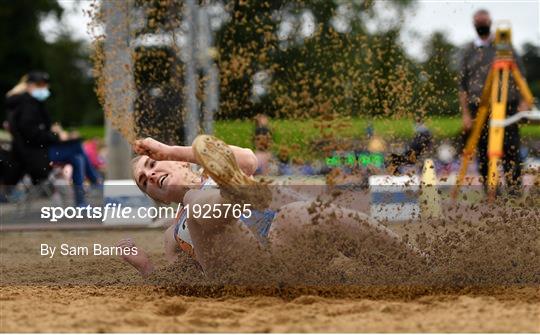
(262, 141)
(284, 162)
(92, 149)
(37, 142)
(421, 143)
(262, 125)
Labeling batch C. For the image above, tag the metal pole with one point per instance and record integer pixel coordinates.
(119, 84)
(191, 123)
(206, 56)
(212, 97)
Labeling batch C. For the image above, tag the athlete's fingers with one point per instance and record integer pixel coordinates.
(139, 147)
(152, 148)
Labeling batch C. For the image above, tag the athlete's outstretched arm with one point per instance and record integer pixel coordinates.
(246, 159)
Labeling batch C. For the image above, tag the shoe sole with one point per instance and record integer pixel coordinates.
(219, 162)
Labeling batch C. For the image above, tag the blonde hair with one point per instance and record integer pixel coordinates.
(133, 163)
(21, 87)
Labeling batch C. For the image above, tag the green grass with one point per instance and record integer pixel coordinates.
(298, 134)
(88, 132)
(530, 131)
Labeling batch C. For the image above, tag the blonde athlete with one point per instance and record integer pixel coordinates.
(167, 174)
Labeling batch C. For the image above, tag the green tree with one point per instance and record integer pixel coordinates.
(73, 100)
(247, 44)
(21, 44)
(325, 72)
(531, 60)
(24, 48)
(439, 76)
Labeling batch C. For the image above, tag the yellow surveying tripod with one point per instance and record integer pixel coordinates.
(494, 95)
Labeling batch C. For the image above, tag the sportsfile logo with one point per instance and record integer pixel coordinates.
(119, 211)
(109, 211)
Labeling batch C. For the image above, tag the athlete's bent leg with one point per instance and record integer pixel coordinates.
(293, 217)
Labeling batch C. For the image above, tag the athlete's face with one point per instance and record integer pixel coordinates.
(164, 181)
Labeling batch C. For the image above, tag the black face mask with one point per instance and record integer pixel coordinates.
(482, 30)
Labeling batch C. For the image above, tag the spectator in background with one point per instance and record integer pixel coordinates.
(262, 141)
(37, 142)
(93, 148)
(284, 162)
(262, 125)
(421, 144)
(476, 63)
(12, 99)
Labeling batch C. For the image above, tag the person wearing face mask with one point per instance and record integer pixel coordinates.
(37, 142)
(478, 57)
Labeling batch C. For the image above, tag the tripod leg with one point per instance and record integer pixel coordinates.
(522, 85)
(472, 141)
(499, 95)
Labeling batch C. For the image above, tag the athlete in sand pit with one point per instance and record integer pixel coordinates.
(166, 174)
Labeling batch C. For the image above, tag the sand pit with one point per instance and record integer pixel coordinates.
(145, 309)
(102, 294)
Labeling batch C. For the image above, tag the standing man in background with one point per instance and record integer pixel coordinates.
(476, 63)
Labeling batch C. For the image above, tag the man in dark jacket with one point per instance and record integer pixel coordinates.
(476, 63)
(37, 142)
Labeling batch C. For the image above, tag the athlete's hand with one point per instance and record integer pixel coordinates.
(153, 149)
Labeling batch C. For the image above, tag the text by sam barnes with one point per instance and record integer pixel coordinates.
(76, 250)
